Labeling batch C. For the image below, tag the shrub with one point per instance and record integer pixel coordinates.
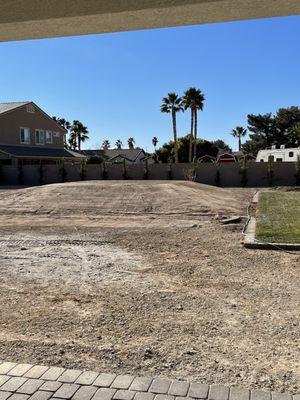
(297, 175)
(41, 174)
(244, 171)
(62, 172)
(20, 174)
(146, 170)
(104, 171)
(194, 169)
(95, 160)
(125, 174)
(218, 177)
(170, 168)
(271, 170)
(82, 170)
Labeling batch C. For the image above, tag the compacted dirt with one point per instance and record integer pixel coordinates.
(141, 278)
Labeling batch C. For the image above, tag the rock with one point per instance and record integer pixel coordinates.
(232, 220)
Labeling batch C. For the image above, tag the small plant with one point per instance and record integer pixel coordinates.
(104, 171)
(125, 174)
(170, 168)
(271, 170)
(63, 172)
(244, 171)
(218, 177)
(82, 170)
(20, 174)
(41, 174)
(297, 175)
(194, 169)
(146, 170)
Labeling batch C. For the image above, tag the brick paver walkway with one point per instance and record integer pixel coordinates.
(37, 382)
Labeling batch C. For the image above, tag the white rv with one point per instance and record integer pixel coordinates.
(283, 154)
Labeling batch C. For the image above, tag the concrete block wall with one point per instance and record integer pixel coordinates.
(230, 175)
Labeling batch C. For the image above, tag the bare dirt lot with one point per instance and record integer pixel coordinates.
(140, 277)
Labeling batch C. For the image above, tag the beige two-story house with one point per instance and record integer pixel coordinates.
(28, 135)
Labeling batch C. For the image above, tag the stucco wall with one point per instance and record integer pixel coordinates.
(12, 121)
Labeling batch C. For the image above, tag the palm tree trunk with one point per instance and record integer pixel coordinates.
(191, 136)
(240, 143)
(195, 132)
(79, 143)
(175, 136)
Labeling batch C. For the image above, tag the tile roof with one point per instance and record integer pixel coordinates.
(4, 107)
(30, 151)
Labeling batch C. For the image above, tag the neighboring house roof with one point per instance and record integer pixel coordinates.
(129, 154)
(93, 153)
(111, 154)
(226, 157)
(206, 157)
(5, 107)
(30, 151)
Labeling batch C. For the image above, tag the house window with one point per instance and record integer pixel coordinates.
(55, 134)
(291, 154)
(49, 137)
(39, 136)
(279, 159)
(25, 135)
(30, 109)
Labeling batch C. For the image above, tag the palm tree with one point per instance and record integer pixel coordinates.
(79, 133)
(65, 124)
(154, 142)
(194, 99)
(131, 142)
(239, 132)
(62, 122)
(119, 144)
(173, 104)
(72, 142)
(106, 144)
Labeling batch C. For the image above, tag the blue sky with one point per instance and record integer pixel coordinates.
(114, 83)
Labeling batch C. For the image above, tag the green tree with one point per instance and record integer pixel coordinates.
(221, 145)
(193, 99)
(79, 133)
(203, 147)
(106, 144)
(294, 133)
(131, 143)
(172, 104)
(119, 144)
(268, 129)
(238, 133)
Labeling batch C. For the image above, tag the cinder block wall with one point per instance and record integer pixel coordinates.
(229, 174)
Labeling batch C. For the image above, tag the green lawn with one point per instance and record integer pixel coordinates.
(278, 217)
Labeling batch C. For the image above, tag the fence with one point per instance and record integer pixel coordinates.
(225, 175)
